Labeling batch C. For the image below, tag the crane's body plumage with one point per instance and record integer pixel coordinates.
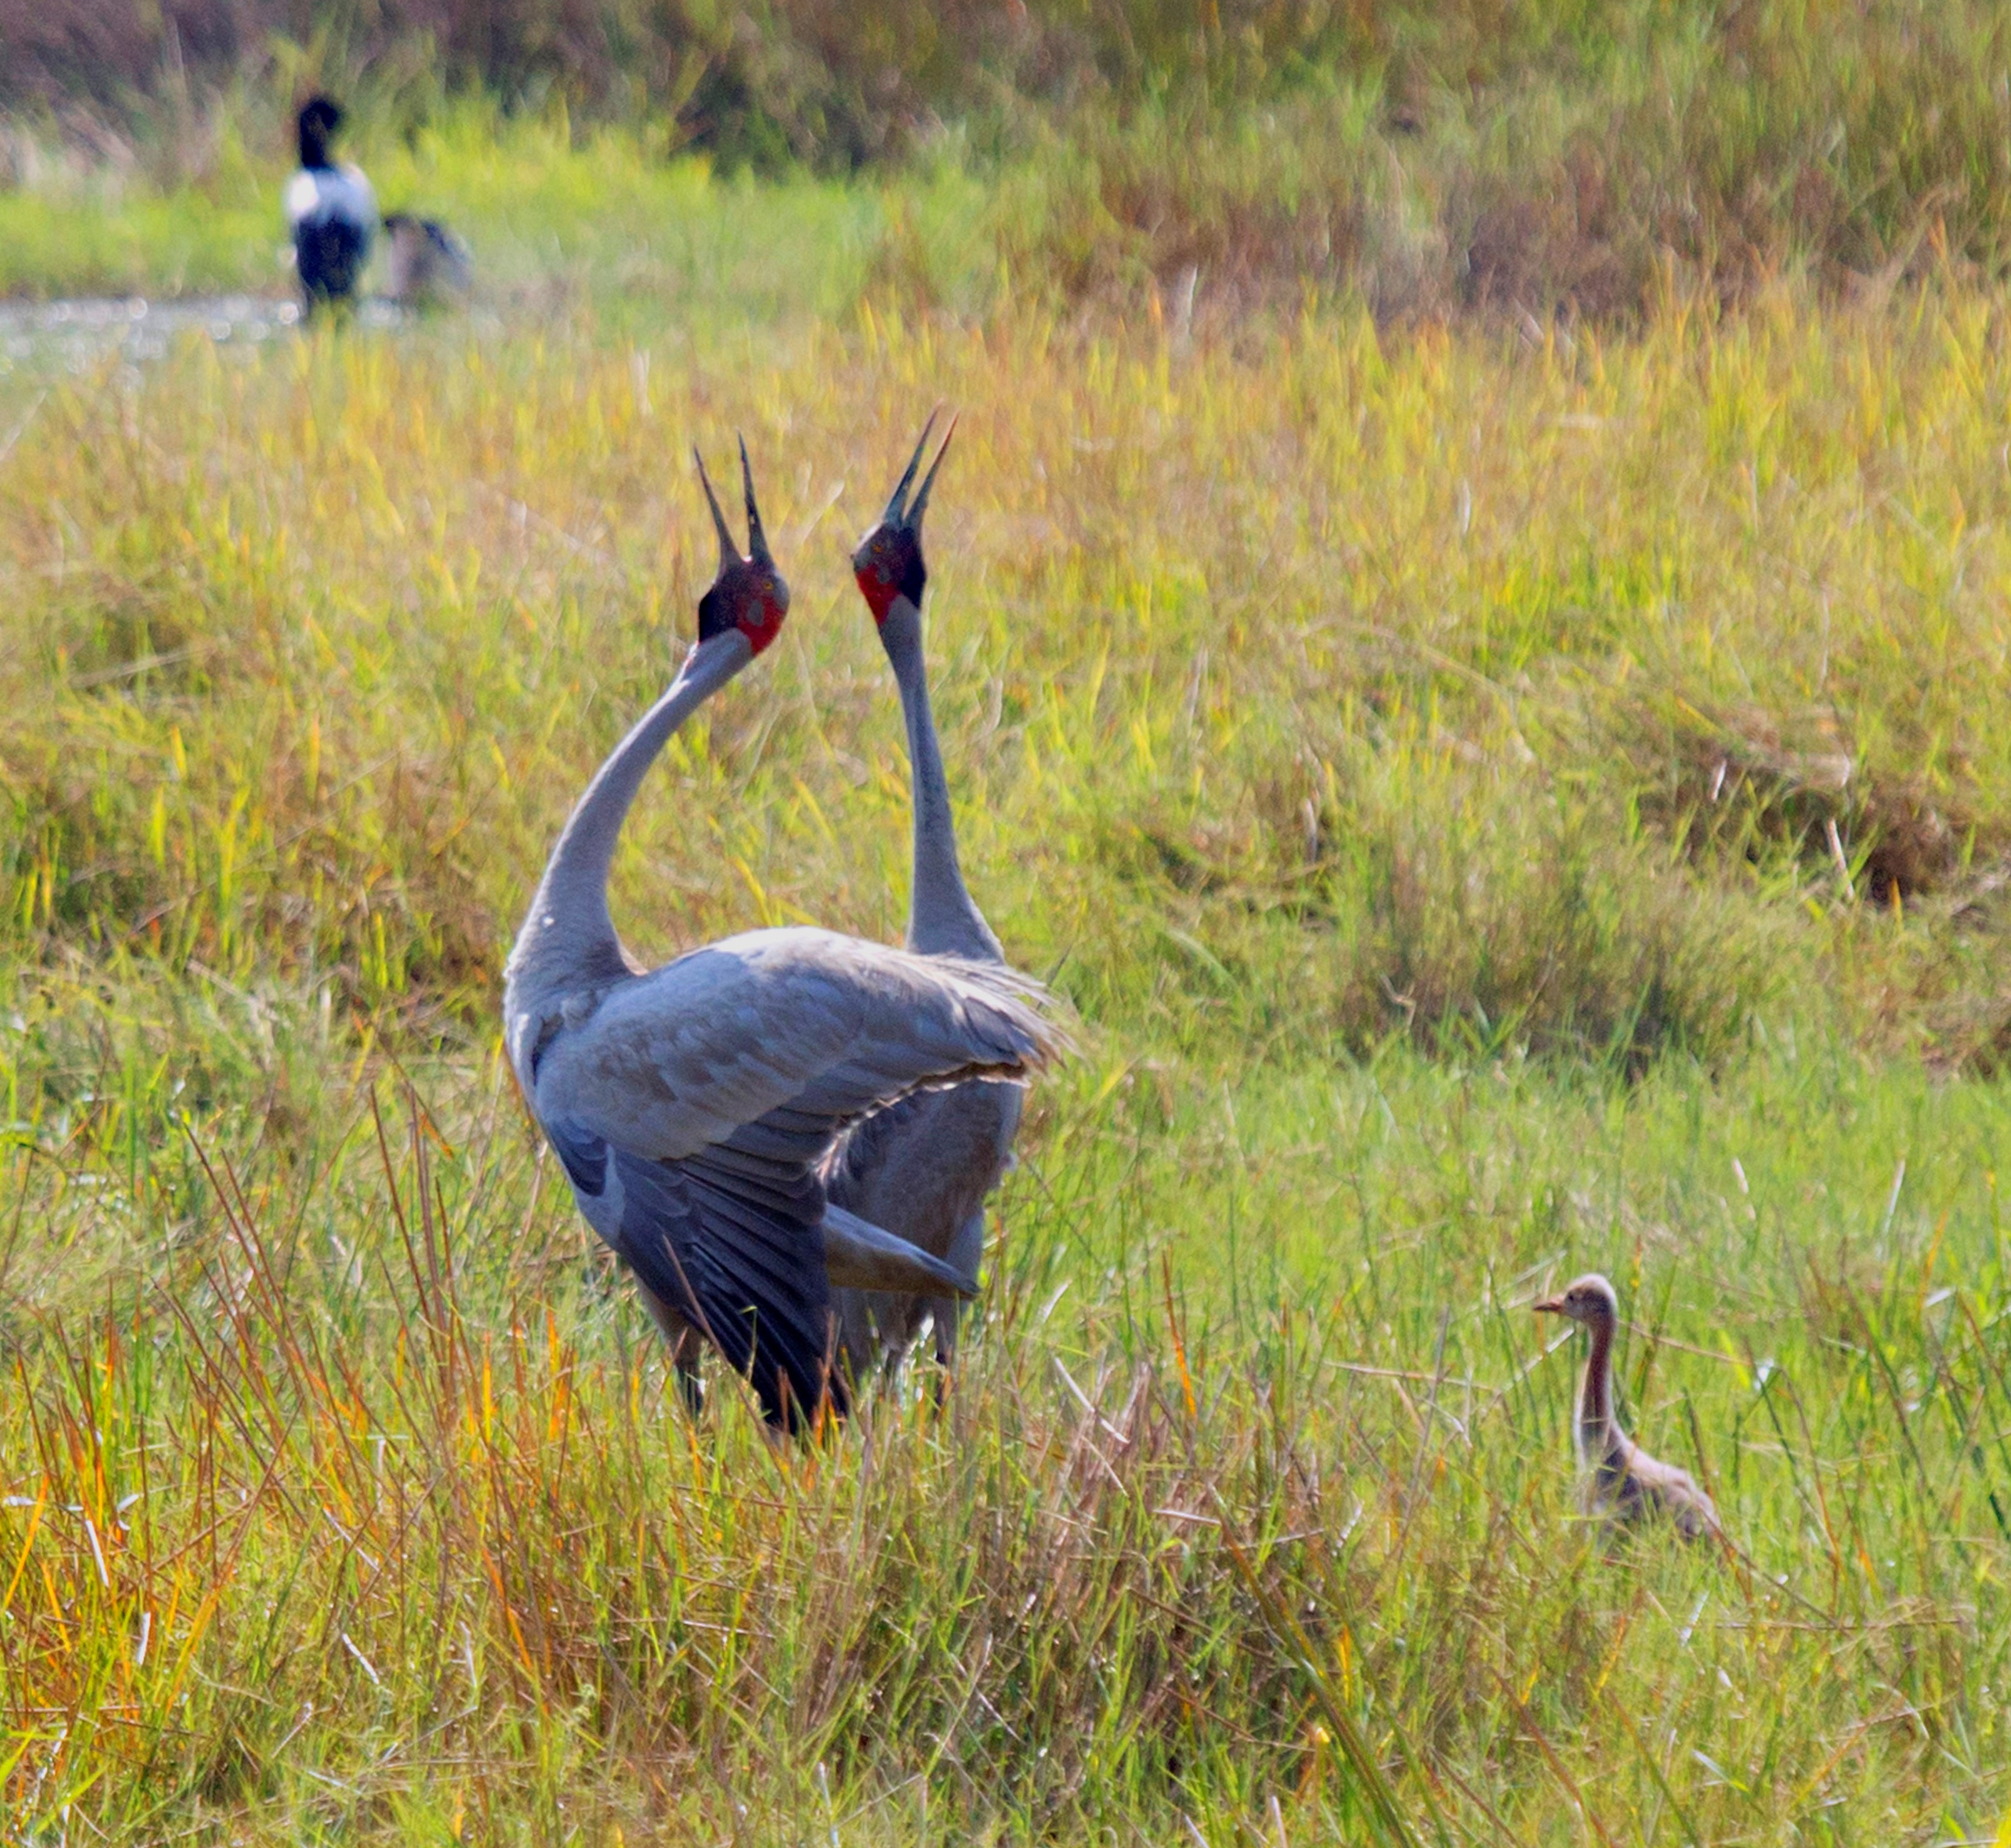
(924, 1168)
(667, 1064)
(1629, 1484)
(694, 1107)
(427, 262)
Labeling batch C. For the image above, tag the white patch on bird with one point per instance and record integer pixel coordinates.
(348, 195)
(317, 194)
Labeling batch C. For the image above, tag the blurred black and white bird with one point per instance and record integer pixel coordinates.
(331, 212)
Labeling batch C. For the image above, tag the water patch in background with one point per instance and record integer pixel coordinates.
(79, 335)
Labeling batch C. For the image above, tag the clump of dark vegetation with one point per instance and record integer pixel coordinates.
(1748, 782)
(1474, 908)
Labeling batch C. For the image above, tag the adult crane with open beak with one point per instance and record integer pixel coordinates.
(693, 1106)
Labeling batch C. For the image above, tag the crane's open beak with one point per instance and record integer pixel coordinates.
(729, 551)
(899, 515)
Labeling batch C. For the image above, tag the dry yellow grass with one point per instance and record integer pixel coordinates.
(1500, 806)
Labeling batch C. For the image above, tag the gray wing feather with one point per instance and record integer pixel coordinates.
(829, 1026)
(715, 1088)
(744, 1265)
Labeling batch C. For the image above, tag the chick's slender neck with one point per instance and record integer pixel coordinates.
(943, 919)
(1597, 1430)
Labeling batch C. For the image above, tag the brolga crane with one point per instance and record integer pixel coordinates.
(1623, 1481)
(924, 1168)
(693, 1106)
(331, 212)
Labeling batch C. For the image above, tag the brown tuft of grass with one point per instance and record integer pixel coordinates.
(1751, 784)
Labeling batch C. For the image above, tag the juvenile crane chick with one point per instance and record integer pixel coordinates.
(1623, 1482)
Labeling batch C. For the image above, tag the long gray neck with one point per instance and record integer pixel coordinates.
(568, 940)
(1596, 1430)
(942, 919)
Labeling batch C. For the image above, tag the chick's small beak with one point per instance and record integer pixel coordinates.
(1550, 1306)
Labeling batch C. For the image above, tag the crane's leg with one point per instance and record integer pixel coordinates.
(852, 1315)
(966, 1252)
(685, 1345)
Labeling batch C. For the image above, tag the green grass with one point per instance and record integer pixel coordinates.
(1421, 761)
(1582, 162)
(554, 228)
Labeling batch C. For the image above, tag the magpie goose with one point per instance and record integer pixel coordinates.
(330, 211)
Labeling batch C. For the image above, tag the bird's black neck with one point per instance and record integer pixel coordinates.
(314, 145)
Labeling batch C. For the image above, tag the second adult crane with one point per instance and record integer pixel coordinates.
(924, 1168)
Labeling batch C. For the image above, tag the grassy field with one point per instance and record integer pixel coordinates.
(1502, 799)
(555, 229)
(1578, 160)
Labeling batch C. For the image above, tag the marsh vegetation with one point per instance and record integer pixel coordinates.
(1510, 787)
